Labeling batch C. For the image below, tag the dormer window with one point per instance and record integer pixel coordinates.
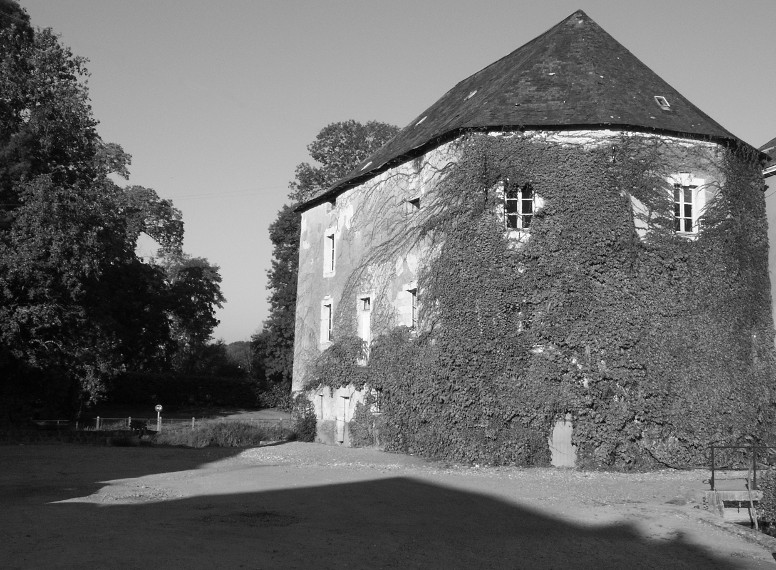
(662, 102)
(519, 206)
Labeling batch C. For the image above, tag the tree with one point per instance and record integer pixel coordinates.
(239, 353)
(195, 289)
(77, 306)
(337, 149)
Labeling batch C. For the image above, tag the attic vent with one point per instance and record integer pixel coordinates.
(662, 102)
(366, 165)
(420, 121)
(470, 95)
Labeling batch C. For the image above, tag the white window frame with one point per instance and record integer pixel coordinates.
(413, 308)
(522, 203)
(683, 185)
(327, 321)
(364, 303)
(329, 252)
(517, 236)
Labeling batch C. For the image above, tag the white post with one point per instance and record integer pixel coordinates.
(98, 423)
(129, 422)
(192, 422)
(158, 422)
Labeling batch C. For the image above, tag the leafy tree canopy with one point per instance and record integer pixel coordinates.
(77, 305)
(338, 148)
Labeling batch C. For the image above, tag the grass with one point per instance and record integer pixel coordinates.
(220, 434)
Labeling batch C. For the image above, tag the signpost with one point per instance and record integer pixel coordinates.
(158, 418)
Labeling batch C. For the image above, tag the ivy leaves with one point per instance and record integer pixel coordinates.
(656, 346)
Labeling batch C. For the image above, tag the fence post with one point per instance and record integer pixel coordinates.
(129, 422)
(98, 423)
(192, 422)
(712, 467)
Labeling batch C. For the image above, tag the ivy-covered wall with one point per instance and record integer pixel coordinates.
(656, 344)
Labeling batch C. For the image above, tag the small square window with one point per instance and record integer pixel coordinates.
(662, 102)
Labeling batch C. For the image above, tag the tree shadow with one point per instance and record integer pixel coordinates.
(394, 522)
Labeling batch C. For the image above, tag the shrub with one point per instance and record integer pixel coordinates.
(305, 423)
(214, 434)
(278, 396)
(362, 427)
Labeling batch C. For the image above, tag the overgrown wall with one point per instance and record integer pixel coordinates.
(655, 343)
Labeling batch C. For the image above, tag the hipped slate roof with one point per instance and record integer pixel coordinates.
(575, 75)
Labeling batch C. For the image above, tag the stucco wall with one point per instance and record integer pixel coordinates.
(365, 222)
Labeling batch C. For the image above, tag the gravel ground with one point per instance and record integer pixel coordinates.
(301, 505)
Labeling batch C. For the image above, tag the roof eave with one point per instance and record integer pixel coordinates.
(346, 183)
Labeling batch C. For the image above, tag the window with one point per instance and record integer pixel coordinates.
(518, 206)
(684, 213)
(327, 322)
(365, 324)
(690, 196)
(412, 206)
(328, 254)
(377, 401)
(413, 308)
(662, 102)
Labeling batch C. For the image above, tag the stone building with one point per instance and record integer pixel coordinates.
(574, 85)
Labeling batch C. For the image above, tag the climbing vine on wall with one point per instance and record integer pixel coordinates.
(657, 345)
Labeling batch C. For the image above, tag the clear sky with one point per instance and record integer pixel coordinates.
(216, 101)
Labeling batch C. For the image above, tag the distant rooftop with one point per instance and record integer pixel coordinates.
(573, 76)
(769, 149)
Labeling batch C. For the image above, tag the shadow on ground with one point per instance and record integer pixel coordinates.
(384, 523)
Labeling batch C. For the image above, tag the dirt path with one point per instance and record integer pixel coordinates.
(305, 505)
